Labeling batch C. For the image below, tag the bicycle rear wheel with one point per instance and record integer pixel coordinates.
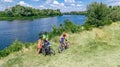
(52, 51)
(43, 51)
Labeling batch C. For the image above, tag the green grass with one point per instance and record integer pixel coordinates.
(95, 48)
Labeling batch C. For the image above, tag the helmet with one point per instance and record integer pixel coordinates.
(45, 33)
(40, 37)
(64, 35)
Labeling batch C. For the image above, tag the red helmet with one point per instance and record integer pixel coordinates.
(64, 35)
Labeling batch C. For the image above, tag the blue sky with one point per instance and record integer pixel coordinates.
(63, 5)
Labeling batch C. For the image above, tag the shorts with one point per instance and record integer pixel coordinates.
(40, 46)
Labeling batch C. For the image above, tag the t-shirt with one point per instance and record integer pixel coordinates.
(62, 40)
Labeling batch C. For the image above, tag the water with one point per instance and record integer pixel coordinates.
(27, 30)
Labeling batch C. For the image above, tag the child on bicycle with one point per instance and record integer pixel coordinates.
(63, 40)
(39, 45)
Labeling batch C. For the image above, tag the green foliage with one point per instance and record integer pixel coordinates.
(16, 46)
(68, 26)
(114, 13)
(87, 27)
(97, 15)
(76, 13)
(71, 27)
(26, 45)
(22, 11)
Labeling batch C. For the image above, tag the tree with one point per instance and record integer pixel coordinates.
(97, 15)
(22, 11)
(114, 13)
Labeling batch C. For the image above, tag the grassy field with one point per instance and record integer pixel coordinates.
(95, 48)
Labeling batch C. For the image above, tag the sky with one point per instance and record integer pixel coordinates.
(63, 5)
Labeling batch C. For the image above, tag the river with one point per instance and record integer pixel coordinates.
(27, 30)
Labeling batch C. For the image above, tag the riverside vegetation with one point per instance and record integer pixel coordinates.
(92, 44)
(21, 13)
(95, 48)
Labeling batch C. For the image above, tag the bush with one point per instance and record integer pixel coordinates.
(97, 15)
(4, 53)
(87, 27)
(68, 26)
(14, 47)
(114, 13)
(27, 45)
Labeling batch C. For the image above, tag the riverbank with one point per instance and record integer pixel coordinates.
(95, 48)
(24, 18)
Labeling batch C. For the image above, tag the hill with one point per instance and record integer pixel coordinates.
(95, 48)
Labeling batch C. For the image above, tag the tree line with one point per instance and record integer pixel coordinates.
(22, 11)
(75, 13)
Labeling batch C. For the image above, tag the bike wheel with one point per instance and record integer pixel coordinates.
(43, 52)
(52, 51)
(67, 46)
(60, 49)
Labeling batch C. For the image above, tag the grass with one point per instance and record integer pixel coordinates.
(95, 48)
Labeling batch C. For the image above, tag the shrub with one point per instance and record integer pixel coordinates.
(14, 47)
(97, 14)
(87, 27)
(114, 13)
(68, 26)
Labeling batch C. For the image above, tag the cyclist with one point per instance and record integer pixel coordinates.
(39, 45)
(63, 40)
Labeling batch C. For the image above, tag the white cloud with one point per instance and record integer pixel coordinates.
(35, 0)
(66, 6)
(41, 6)
(52, 5)
(114, 2)
(62, 4)
(69, 1)
(79, 5)
(22, 3)
(49, 1)
(55, 2)
(8, 0)
(72, 4)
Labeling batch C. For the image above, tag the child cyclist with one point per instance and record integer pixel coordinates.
(39, 45)
(63, 40)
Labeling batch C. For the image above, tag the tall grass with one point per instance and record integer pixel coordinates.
(14, 47)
